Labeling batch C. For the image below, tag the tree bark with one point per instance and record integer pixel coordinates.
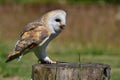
(71, 71)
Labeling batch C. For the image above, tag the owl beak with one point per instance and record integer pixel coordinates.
(62, 26)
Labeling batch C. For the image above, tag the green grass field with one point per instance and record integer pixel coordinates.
(62, 53)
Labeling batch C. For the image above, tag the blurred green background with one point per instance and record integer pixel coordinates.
(60, 1)
(93, 32)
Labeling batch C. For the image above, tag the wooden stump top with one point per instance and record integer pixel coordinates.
(74, 65)
(71, 71)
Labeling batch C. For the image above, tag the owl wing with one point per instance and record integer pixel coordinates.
(32, 36)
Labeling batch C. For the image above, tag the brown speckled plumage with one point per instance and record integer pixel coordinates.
(28, 40)
(37, 34)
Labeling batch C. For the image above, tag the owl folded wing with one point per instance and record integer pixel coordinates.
(32, 36)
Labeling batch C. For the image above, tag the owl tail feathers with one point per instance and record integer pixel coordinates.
(13, 55)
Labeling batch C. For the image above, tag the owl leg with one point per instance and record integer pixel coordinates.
(44, 59)
(42, 56)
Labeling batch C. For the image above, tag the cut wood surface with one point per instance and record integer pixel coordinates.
(71, 71)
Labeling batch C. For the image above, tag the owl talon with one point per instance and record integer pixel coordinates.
(53, 62)
(48, 62)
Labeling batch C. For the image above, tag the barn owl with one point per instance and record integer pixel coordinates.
(37, 35)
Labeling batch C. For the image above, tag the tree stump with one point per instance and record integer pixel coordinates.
(71, 71)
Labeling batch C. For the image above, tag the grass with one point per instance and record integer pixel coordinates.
(68, 54)
(23, 68)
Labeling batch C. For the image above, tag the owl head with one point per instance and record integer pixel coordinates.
(55, 20)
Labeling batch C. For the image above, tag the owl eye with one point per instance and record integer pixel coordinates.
(57, 20)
